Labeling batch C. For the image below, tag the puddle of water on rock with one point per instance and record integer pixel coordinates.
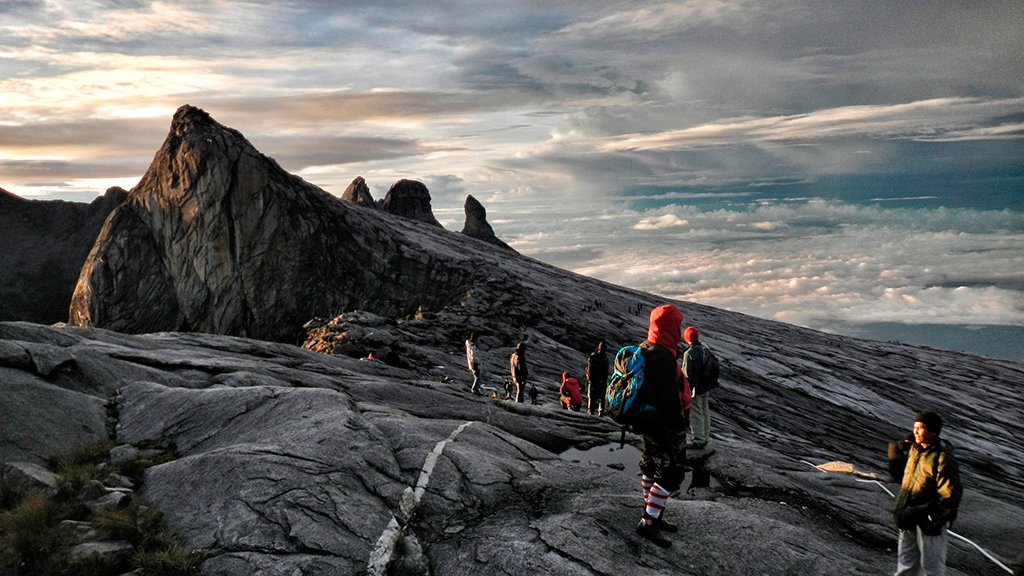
(627, 459)
(608, 454)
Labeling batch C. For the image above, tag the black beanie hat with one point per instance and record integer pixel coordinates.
(931, 421)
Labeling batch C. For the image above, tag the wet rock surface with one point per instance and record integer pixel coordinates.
(295, 460)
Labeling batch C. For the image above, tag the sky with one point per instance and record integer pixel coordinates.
(855, 167)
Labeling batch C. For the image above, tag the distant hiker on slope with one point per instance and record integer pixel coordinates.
(597, 379)
(517, 363)
(700, 368)
(473, 360)
(928, 500)
(569, 394)
(663, 426)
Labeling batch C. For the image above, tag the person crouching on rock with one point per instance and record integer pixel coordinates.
(663, 424)
(571, 398)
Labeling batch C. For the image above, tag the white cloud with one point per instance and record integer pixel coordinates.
(940, 119)
(660, 222)
(836, 262)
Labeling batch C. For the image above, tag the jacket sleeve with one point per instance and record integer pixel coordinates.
(948, 488)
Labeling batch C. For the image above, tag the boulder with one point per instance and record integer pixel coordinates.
(21, 478)
(41, 420)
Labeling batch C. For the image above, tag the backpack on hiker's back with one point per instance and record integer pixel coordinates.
(625, 395)
(702, 368)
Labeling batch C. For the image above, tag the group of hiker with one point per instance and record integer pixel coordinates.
(679, 373)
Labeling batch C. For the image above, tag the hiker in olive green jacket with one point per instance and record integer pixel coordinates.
(928, 500)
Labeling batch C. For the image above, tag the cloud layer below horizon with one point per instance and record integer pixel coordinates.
(805, 162)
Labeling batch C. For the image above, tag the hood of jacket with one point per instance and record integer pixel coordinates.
(666, 327)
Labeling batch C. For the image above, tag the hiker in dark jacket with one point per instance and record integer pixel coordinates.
(517, 363)
(597, 379)
(663, 427)
(928, 500)
(693, 369)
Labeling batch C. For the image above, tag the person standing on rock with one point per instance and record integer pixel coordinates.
(928, 500)
(473, 360)
(597, 379)
(517, 363)
(694, 359)
(663, 427)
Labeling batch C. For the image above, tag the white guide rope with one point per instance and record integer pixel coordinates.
(951, 533)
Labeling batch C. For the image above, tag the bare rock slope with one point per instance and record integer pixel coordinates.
(44, 245)
(295, 461)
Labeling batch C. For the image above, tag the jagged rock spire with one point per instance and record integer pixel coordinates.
(359, 193)
(477, 225)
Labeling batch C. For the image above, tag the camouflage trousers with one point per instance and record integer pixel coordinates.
(664, 457)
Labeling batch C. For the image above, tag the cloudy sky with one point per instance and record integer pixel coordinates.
(849, 166)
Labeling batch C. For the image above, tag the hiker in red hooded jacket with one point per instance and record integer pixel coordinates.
(571, 398)
(663, 428)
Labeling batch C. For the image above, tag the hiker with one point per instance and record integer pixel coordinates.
(695, 358)
(570, 397)
(597, 379)
(517, 363)
(928, 500)
(473, 360)
(533, 395)
(663, 426)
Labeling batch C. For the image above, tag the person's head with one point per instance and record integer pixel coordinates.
(666, 326)
(600, 345)
(520, 346)
(927, 427)
(472, 336)
(691, 335)
(566, 376)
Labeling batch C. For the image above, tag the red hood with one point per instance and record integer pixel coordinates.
(666, 328)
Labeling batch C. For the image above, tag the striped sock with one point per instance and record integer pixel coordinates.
(656, 501)
(646, 482)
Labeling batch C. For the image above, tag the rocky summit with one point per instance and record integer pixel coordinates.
(363, 451)
(217, 238)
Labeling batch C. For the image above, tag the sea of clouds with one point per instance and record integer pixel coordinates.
(825, 264)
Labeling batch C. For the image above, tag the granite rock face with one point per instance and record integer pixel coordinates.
(358, 192)
(45, 243)
(476, 223)
(410, 199)
(217, 238)
(294, 461)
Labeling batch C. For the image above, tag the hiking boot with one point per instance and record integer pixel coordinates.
(664, 525)
(648, 528)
